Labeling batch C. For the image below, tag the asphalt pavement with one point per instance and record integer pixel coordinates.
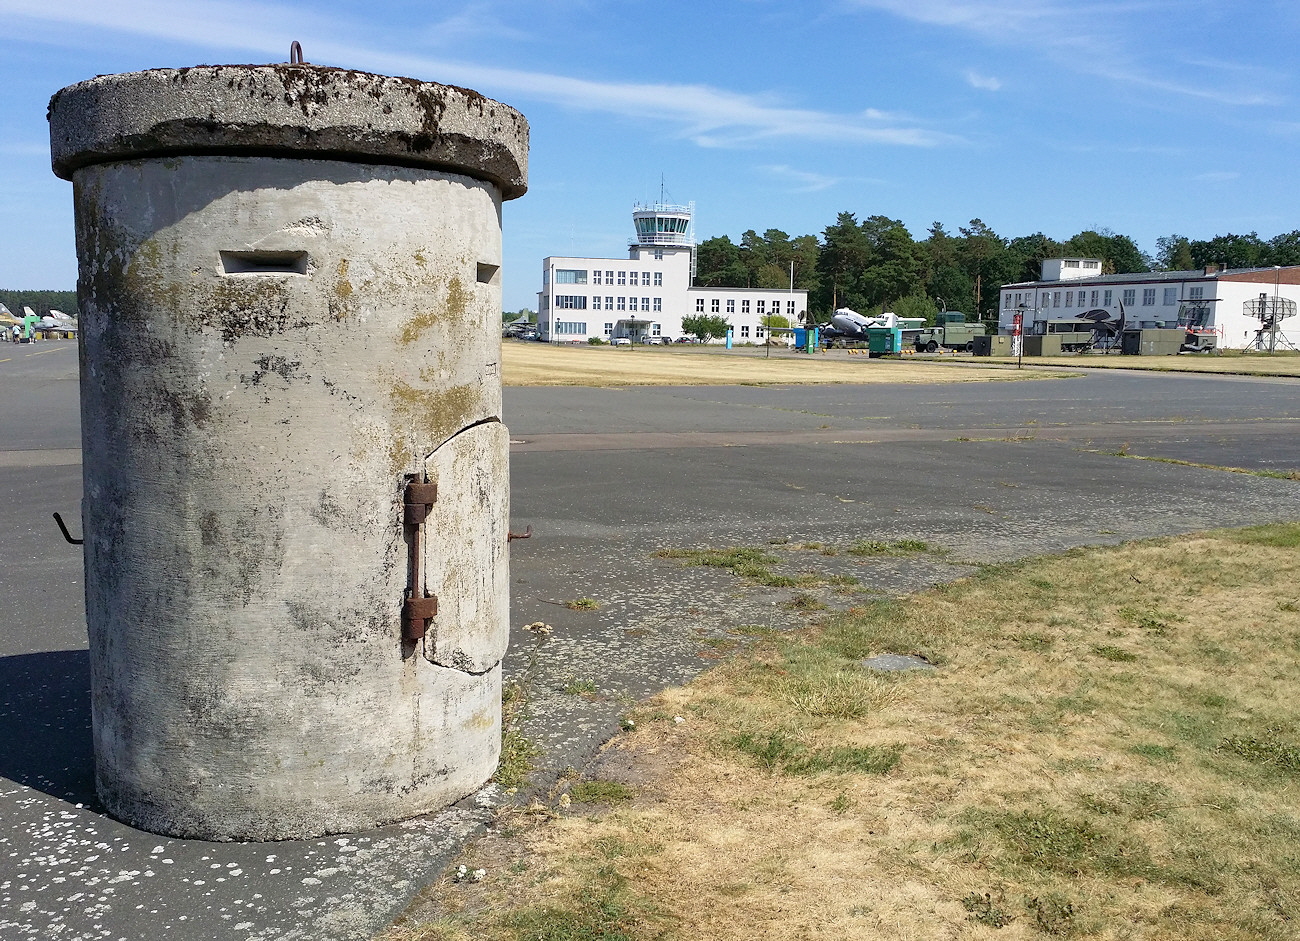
(605, 477)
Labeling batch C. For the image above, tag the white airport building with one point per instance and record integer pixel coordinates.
(647, 294)
(1227, 303)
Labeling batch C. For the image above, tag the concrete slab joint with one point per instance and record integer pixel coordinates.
(289, 285)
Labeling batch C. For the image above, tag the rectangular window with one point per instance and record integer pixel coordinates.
(758, 333)
(699, 305)
(1130, 295)
(645, 279)
(744, 307)
(1069, 298)
(731, 306)
(1092, 264)
(715, 306)
(1056, 298)
(1106, 298)
(659, 254)
(656, 329)
(1071, 263)
(789, 308)
(1009, 304)
(595, 276)
(622, 277)
(609, 329)
(609, 302)
(1148, 297)
(1094, 298)
(744, 331)
(1196, 294)
(659, 304)
(570, 276)
(622, 303)
(761, 307)
(570, 329)
(609, 277)
(631, 304)
(571, 302)
(659, 279)
(1171, 297)
(776, 307)
(645, 304)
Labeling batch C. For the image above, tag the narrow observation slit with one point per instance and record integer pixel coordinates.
(487, 273)
(263, 262)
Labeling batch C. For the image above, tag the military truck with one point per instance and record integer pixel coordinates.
(949, 332)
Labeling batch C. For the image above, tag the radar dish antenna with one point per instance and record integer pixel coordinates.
(1270, 312)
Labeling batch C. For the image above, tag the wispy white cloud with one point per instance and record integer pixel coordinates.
(983, 82)
(1093, 37)
(802, 181)
(709, 116)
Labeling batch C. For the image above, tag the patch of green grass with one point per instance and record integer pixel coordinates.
(580, 688)
(987, 910)
(1136, 800)
(752, 564)
(1033, 642)
(600, 791)
(517, 754)
(777, 751)
(805, 602)
(1280, 535)
(1113, 653)
(1265, 750)
(1052, 913)
(583, 604)
(1156, 752)
(604, 910)
(867, 547)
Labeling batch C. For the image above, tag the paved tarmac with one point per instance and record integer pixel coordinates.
(986, 471)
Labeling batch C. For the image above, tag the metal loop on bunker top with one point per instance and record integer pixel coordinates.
(295, 53)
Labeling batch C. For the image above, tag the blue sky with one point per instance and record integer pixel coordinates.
(1147, 117)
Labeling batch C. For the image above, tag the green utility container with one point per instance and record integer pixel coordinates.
(881, 340)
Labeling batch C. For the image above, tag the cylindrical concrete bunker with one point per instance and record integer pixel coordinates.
(296, 493)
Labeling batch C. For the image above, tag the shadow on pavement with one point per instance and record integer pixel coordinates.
(45, 739)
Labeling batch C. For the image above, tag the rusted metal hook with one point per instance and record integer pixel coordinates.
(528, 531)
(67, 535)
(295, 53)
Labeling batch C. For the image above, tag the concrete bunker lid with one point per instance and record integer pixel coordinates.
(299, 110)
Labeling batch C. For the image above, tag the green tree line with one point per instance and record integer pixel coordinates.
(40, 301)
(876, 263)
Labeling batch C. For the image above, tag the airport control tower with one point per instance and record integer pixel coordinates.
(663, 228)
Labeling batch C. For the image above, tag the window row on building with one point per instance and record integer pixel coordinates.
(610, 277)
(1097, 297)
(760, 307)
(611, 302)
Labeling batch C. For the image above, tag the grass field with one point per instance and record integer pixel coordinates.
(1226, 363)
(1108, 747)
(538, 364)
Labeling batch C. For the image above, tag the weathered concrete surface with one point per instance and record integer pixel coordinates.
(289, 110)
(70, 872)
(269, 349)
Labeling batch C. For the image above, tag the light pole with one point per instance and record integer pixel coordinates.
(1017, 334)
(1273, 319)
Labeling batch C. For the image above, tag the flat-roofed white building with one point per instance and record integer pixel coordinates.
(648, 293)
(1214, 299)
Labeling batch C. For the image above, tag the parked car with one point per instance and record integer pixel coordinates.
(620, 341)
(656, 341)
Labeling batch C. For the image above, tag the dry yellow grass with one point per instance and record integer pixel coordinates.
(1237, 364)
(1111, 749)
(538, 364)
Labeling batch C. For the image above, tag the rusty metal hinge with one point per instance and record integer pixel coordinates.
(418, 607)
